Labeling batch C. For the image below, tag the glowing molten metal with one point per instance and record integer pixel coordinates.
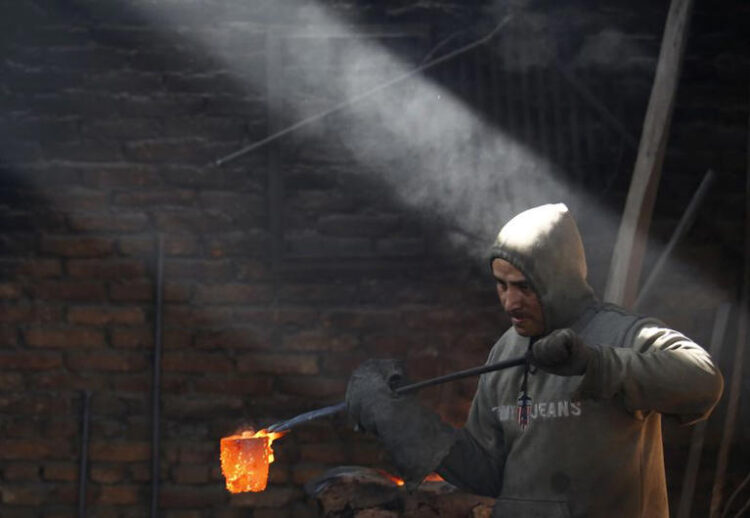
(245, 459)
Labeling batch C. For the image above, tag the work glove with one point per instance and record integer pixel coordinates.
(415, 438)
(561, 352)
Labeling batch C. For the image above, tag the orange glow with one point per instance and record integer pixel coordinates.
(393, 478)
(245, 459)
(432, 477)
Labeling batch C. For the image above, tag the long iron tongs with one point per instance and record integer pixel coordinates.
(340, 407)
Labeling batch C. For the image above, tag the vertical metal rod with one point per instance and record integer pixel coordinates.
(274, 94)
(156, 383)
(84, 460)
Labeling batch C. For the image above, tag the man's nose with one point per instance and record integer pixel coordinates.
(512, 300)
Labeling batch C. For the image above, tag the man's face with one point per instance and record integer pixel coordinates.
(519, 301)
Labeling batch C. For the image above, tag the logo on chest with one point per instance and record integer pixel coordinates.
(526, 410)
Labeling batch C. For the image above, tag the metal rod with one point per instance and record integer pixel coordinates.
(362, 96)
(682, 227)
(406, 389)
(156, 384)
(84, 461)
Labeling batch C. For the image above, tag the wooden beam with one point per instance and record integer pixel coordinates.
(625, 268)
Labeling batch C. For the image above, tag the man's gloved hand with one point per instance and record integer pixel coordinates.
(561, 352)
(415, 437)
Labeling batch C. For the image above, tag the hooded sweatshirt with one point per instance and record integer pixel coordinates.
(589, 446)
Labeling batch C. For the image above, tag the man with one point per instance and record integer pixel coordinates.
(577, 432)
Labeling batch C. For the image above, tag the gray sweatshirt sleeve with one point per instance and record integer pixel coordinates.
(661, 370)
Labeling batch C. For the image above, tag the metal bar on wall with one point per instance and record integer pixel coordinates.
(275, 181)
(84, 459)
(156, 381)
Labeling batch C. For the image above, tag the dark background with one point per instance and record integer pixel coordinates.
(357, 236)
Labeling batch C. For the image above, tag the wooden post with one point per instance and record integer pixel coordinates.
(622, 285)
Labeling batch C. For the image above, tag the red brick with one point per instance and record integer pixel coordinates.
(319, 341)
(136, 246)
(34, 403)
(8, 336)
(200, 269)
(234, 294)
(343, 364)
(224, 385)
(248, 337)
(196, 362)
(297, 316)
(34, 449)
(107, 222)
(107, 473)
(329, 453)
(131, 291)
(303, 473)
(98, 316)
(40, 268)
(107, 361)
(361, 319)
(178, 291)
(190, 474)
(140, 472)
(33, 495)
(20, 471)
(30, 360)
(64, 337)
(132, 338)
(134, 383)
(10, 290)
(200, 317)
(204, 407)
(177, 338)
(70, 291)
(313, 386)
(181, 244)
(27, 314)
(274, 363)
(10, 381)
(156, 197)
(118, 495)
(60, 471)
(106, 269)
(187, 496)
(113, 451)
(249, 270)
(77, 246)
(80, 198)
(64, 380)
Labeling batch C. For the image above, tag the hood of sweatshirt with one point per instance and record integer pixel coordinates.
(545, 245)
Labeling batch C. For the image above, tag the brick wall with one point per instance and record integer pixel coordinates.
(272, 293)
